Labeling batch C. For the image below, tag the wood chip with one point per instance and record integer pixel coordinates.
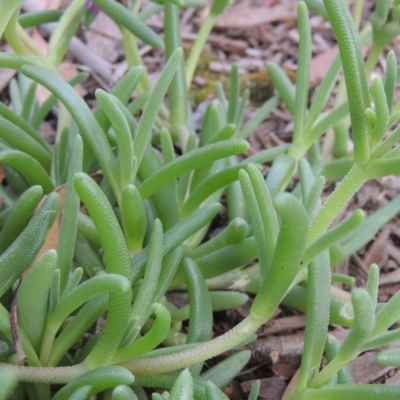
(251, 65)
(284, 324)
(199, 81)
(274, 348)
(244, 15)
(227, 44)
(218, 67)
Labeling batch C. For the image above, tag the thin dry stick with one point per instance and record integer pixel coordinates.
(14, 327)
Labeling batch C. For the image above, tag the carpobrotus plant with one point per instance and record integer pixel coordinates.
(101, 226)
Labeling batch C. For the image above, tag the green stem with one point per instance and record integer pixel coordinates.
(336, 201)
(230, 339)
(28, 42)
(135, 7)
(198, 47)
(354, 74)
(334, 366)
(373, 56)
(17, 38)
(177, 92)
(133, 59)
(47, 375)
(57, 45)
(357, 13)
(303, 73)
(149, 366)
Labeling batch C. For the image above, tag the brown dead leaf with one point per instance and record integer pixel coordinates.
(245, 15)
(104, 38)
(68, 71)
(320, 65)
(51, 241)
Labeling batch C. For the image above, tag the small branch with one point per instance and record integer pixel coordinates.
(14, 328)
